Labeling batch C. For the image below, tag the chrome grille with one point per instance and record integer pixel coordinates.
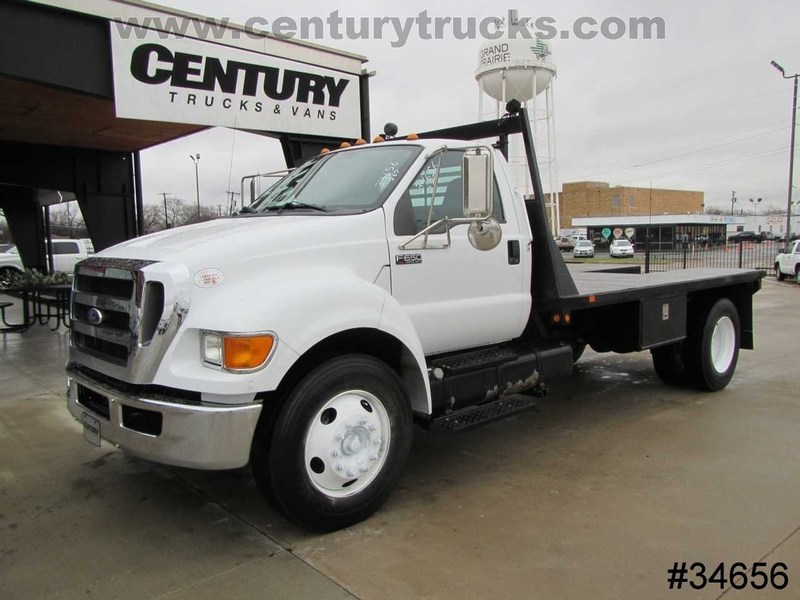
(106, 300)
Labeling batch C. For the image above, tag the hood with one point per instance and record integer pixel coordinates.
(261, 239)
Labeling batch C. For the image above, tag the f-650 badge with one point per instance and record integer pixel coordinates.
(408, 259)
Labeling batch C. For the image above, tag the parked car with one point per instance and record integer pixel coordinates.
(564, 244)
(746, 236)
(787, 264)
(10, 265)
(621, 249)
(66, 254)
(583, 248)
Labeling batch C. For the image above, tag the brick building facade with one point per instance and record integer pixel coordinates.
(596, 198)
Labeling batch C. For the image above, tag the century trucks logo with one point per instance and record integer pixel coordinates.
(185, 80)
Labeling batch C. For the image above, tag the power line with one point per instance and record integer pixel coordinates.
(712, 165)
(677, 156)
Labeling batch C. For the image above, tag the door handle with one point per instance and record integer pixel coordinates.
(513, 252)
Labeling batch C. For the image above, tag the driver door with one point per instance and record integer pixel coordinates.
(457, 297)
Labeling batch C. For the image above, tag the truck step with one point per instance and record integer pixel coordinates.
(472, 361)
(485, 413)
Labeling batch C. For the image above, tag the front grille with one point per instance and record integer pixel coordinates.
(106, 303)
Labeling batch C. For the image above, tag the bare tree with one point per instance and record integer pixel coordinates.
(153, 218)
(67, 219)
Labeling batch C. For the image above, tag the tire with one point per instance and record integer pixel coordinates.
(670, 364)
(712, 348)
(331, 454)
(778, 275)
(6, 273)
(797, 274)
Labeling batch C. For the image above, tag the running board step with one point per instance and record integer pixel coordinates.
(467, 362)
(485, 413)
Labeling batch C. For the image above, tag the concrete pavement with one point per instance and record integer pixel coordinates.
(593, 495)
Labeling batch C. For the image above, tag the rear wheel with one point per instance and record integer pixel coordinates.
(713, 347)
(670, 364)
(337, 445)
(778, 274)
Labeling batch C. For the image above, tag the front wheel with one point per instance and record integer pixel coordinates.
(338, 444)
(713, 349)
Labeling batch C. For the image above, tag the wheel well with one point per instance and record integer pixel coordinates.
(371, 342)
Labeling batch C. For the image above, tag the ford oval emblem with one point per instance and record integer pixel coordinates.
(94, 316)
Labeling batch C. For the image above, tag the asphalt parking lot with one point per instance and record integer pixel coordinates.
(595, 494)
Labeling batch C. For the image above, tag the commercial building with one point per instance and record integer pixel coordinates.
(597, 198)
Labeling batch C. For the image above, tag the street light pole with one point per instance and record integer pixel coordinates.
(196, 160)
(755, 210)
(733, 200)
(791, 149)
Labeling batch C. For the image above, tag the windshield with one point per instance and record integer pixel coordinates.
(622, 243)
(583, 243)
(353, 181)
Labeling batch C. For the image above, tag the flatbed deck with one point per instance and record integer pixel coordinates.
(610, 287)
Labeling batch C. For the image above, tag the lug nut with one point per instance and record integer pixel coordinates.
(334, 453)
(363, 469)
(350, 473)
(339, 467)
(373, 456)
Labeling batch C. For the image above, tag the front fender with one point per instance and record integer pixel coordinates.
(303, 310)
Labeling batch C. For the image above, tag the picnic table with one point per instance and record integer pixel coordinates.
(40, 304)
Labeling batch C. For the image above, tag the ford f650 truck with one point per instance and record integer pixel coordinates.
(372, 287)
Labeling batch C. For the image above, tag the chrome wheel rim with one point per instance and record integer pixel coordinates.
(347, 443)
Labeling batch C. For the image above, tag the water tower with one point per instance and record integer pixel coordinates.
(521, 69)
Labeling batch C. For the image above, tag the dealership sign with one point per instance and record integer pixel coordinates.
(185, 80)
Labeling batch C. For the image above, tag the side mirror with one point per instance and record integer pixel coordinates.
(478, 174)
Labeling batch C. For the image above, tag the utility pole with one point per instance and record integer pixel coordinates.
(733, 201)
(196, 160)
(231, 201)
(791, 150)
(166, 219)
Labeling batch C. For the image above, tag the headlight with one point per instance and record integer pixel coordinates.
(236, 351)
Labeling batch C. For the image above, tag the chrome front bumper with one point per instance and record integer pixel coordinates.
(198, 436)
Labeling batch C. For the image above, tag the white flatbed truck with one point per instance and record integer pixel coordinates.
(373, 287)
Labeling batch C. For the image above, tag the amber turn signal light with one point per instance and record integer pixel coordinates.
(242, 353)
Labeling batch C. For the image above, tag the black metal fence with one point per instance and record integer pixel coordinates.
(742, 255)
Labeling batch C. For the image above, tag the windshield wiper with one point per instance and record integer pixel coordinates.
(246, 209)
(292, 204)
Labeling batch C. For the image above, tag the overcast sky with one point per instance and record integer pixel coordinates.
(701, 109)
